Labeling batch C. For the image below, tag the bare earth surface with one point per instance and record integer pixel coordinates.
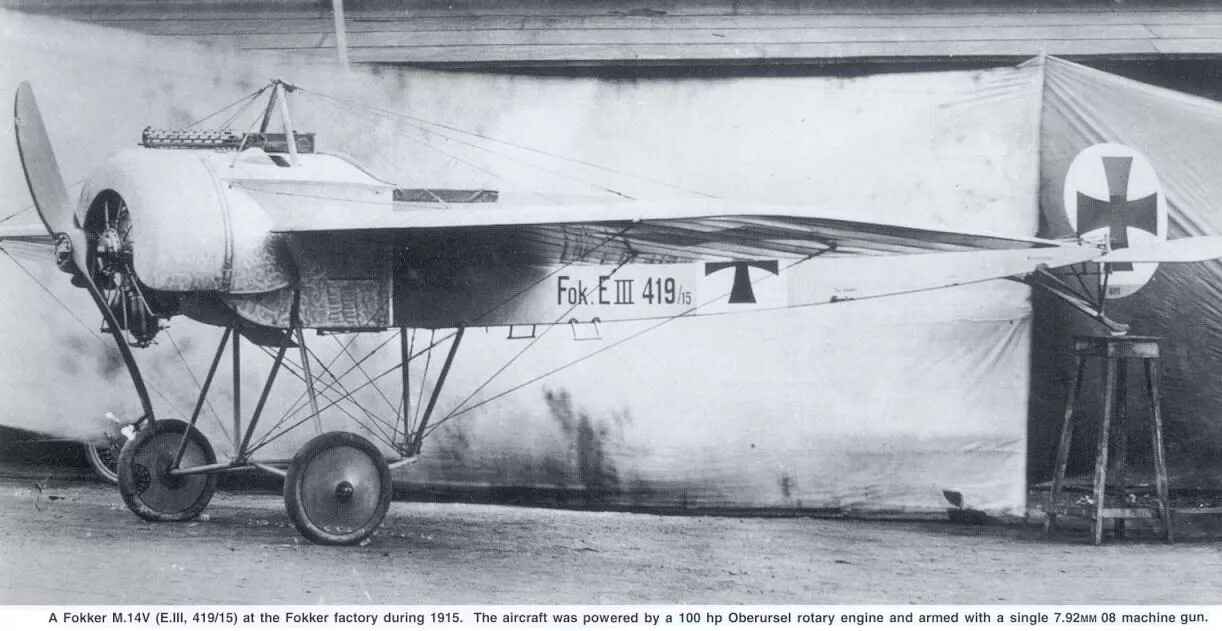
(73, 542)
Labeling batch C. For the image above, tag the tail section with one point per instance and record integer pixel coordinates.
(1113, 199)
(1187, 250)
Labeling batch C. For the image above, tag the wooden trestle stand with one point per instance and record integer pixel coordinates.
(1114, 353)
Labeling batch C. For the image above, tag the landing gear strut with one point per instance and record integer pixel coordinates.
(337, 487)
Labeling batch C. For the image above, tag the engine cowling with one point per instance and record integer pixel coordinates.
(190, 231)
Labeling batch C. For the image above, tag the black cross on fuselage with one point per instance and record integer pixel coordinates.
(741, 292)
(1118, 213)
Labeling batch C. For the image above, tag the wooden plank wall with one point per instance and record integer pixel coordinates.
(558, 32)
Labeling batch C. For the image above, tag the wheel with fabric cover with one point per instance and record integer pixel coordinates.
(145, 482)
(338, 489)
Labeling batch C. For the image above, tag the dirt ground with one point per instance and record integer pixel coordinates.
(65, 539)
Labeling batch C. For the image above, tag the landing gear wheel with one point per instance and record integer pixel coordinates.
(145, 482)
(338, 489)
(103, 456)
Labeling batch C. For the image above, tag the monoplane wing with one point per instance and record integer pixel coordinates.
(504, 264)
(674, 231)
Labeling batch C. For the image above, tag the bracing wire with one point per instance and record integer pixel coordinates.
(330, 404)
(345, 393)
(23, 210)
(510, 362)
(543, 278)
(478, 147)
(273, 434)
(57, 299)
(361, 368)
(81, 322)
(459, 410)
(374, 429)
(427, 128)
(367, 118)
(245, 108)
(299, 403)
(535, 150)
(325, 368)
(30, 207)
(247, 100)
(178, 350)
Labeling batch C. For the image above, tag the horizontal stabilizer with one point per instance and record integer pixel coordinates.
(1188, 250)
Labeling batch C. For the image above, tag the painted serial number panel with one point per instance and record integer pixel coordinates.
(624, 289)
(650, 291)
(544, 295)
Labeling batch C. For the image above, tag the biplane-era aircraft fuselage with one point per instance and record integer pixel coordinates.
(261, 235)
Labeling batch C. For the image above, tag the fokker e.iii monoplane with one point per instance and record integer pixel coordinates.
(262, 235)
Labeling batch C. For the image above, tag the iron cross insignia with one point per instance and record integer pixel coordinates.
(1118, 212)
(741, 292)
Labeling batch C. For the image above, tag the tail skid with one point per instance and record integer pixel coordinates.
(1077, 300)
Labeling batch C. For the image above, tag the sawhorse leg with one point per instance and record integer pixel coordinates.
(1120, 417)
(1160, 461)
(1100, 486)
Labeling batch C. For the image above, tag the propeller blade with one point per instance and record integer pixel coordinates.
(51, 198)
(43, 176)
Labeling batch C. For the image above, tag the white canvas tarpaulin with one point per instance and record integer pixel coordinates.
(1178, 133)
(865, 407)
(873, 406)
